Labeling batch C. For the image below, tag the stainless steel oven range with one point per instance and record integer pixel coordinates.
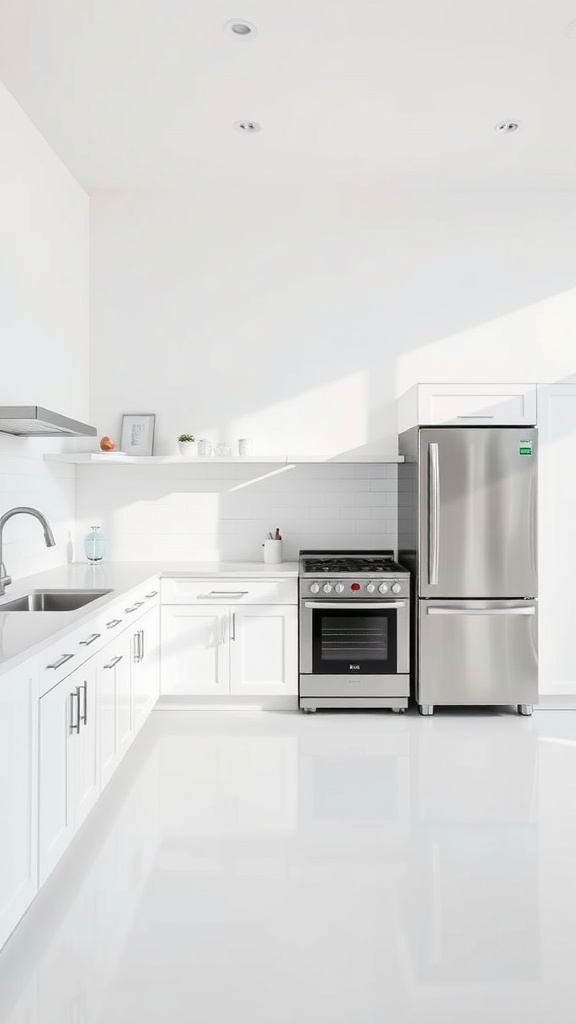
(354, 628)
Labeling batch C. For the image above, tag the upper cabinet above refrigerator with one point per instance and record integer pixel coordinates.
(467, 405)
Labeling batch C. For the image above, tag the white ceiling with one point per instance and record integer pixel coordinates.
(143, 93)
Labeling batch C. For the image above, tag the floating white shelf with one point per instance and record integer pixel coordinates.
(95, 458)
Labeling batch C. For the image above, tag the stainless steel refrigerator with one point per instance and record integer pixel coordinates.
(467, 531)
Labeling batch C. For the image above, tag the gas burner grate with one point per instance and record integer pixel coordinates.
(351, 565)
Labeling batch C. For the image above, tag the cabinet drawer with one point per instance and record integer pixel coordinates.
(468, 405)
(229, 591)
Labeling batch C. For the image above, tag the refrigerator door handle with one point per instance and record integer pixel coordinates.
(481, 611)
(433, 513)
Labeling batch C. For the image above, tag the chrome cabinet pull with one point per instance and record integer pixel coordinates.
(141, 633)
(151, 594)
(75, 702)
(84, 687)
(490, 417)
(90, 640)
(114, 661)
(222, 593)
(481, 611)
(112, 623)
(61, 661)
(433, 513)
(233, 633)
(133, 607)
(136, 648)
(340, 605)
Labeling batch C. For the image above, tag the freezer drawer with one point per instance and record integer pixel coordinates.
(477, 652)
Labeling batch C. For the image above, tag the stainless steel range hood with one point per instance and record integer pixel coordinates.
(34, 421)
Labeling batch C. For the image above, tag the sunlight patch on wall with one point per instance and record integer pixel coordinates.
(323, 421)
(535, 343)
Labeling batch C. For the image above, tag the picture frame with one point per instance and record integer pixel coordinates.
(137, 433)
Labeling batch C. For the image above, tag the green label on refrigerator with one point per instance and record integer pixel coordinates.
(525, 448)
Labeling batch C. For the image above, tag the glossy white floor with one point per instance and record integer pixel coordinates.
(248, 868)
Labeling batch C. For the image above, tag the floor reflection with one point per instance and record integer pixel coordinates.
(333, 868)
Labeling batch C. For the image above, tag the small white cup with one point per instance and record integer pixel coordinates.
(244, 446)
(272, 551)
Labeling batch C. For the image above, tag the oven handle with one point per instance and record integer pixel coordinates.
(346, 607)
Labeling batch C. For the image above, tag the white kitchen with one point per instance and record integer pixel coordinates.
(375, 250)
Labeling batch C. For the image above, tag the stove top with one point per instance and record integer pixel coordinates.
(349, 563)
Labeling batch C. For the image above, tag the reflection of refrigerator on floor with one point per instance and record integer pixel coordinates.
(472, 907)
(467, 531)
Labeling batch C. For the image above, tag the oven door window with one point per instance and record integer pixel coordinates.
(362, 642)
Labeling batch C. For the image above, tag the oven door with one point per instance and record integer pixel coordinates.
(353, 638)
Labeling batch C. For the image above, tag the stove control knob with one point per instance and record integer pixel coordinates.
(383, 588)
(395, 588)
(314, 588)
(327, 588)
(371, 587)
(339, 588)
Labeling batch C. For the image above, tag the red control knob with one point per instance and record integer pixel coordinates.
(355, 586)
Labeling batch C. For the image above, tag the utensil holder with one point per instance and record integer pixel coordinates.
(272, 551)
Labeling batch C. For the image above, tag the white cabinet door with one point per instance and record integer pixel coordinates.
(69, 778)
(464, 405)
(194, 651)
(145, 667)
(84, 762)
(263, 650)
(557, 554)
(18, 795)
(114, 704)
(59, 717)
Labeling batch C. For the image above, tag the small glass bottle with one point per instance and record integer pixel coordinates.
(94, 545)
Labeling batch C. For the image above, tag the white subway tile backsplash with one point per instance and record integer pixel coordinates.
(195, 512)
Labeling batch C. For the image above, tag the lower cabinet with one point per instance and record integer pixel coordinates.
(18, 795)
(69, 781)
(194, 650)
(115, 703)
(245, 649)
(145, 667)
(264, 650)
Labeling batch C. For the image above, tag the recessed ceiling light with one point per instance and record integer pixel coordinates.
(247, 127)
(507, 127)
(239, 27)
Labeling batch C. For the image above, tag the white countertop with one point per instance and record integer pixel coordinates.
(24, 634)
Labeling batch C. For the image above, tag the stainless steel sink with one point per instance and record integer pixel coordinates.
(52, 600)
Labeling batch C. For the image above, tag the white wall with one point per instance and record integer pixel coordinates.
(43, 329)
(295, 315)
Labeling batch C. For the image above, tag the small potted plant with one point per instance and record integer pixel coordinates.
(187, 444)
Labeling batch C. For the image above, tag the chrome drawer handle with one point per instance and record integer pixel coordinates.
(84, 687)
(61, 661)
(151, 594)
(75, 721)
(364, 606)
(91, 639)
(222, 593)
(114, 662)
(480, 611)
(112, 623)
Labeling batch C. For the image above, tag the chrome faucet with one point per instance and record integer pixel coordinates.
(48, 537)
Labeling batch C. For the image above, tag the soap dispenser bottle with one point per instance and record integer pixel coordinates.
(94, 545)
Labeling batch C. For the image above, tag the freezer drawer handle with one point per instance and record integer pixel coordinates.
(340, 605)
(480, 611)
(433, 514)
